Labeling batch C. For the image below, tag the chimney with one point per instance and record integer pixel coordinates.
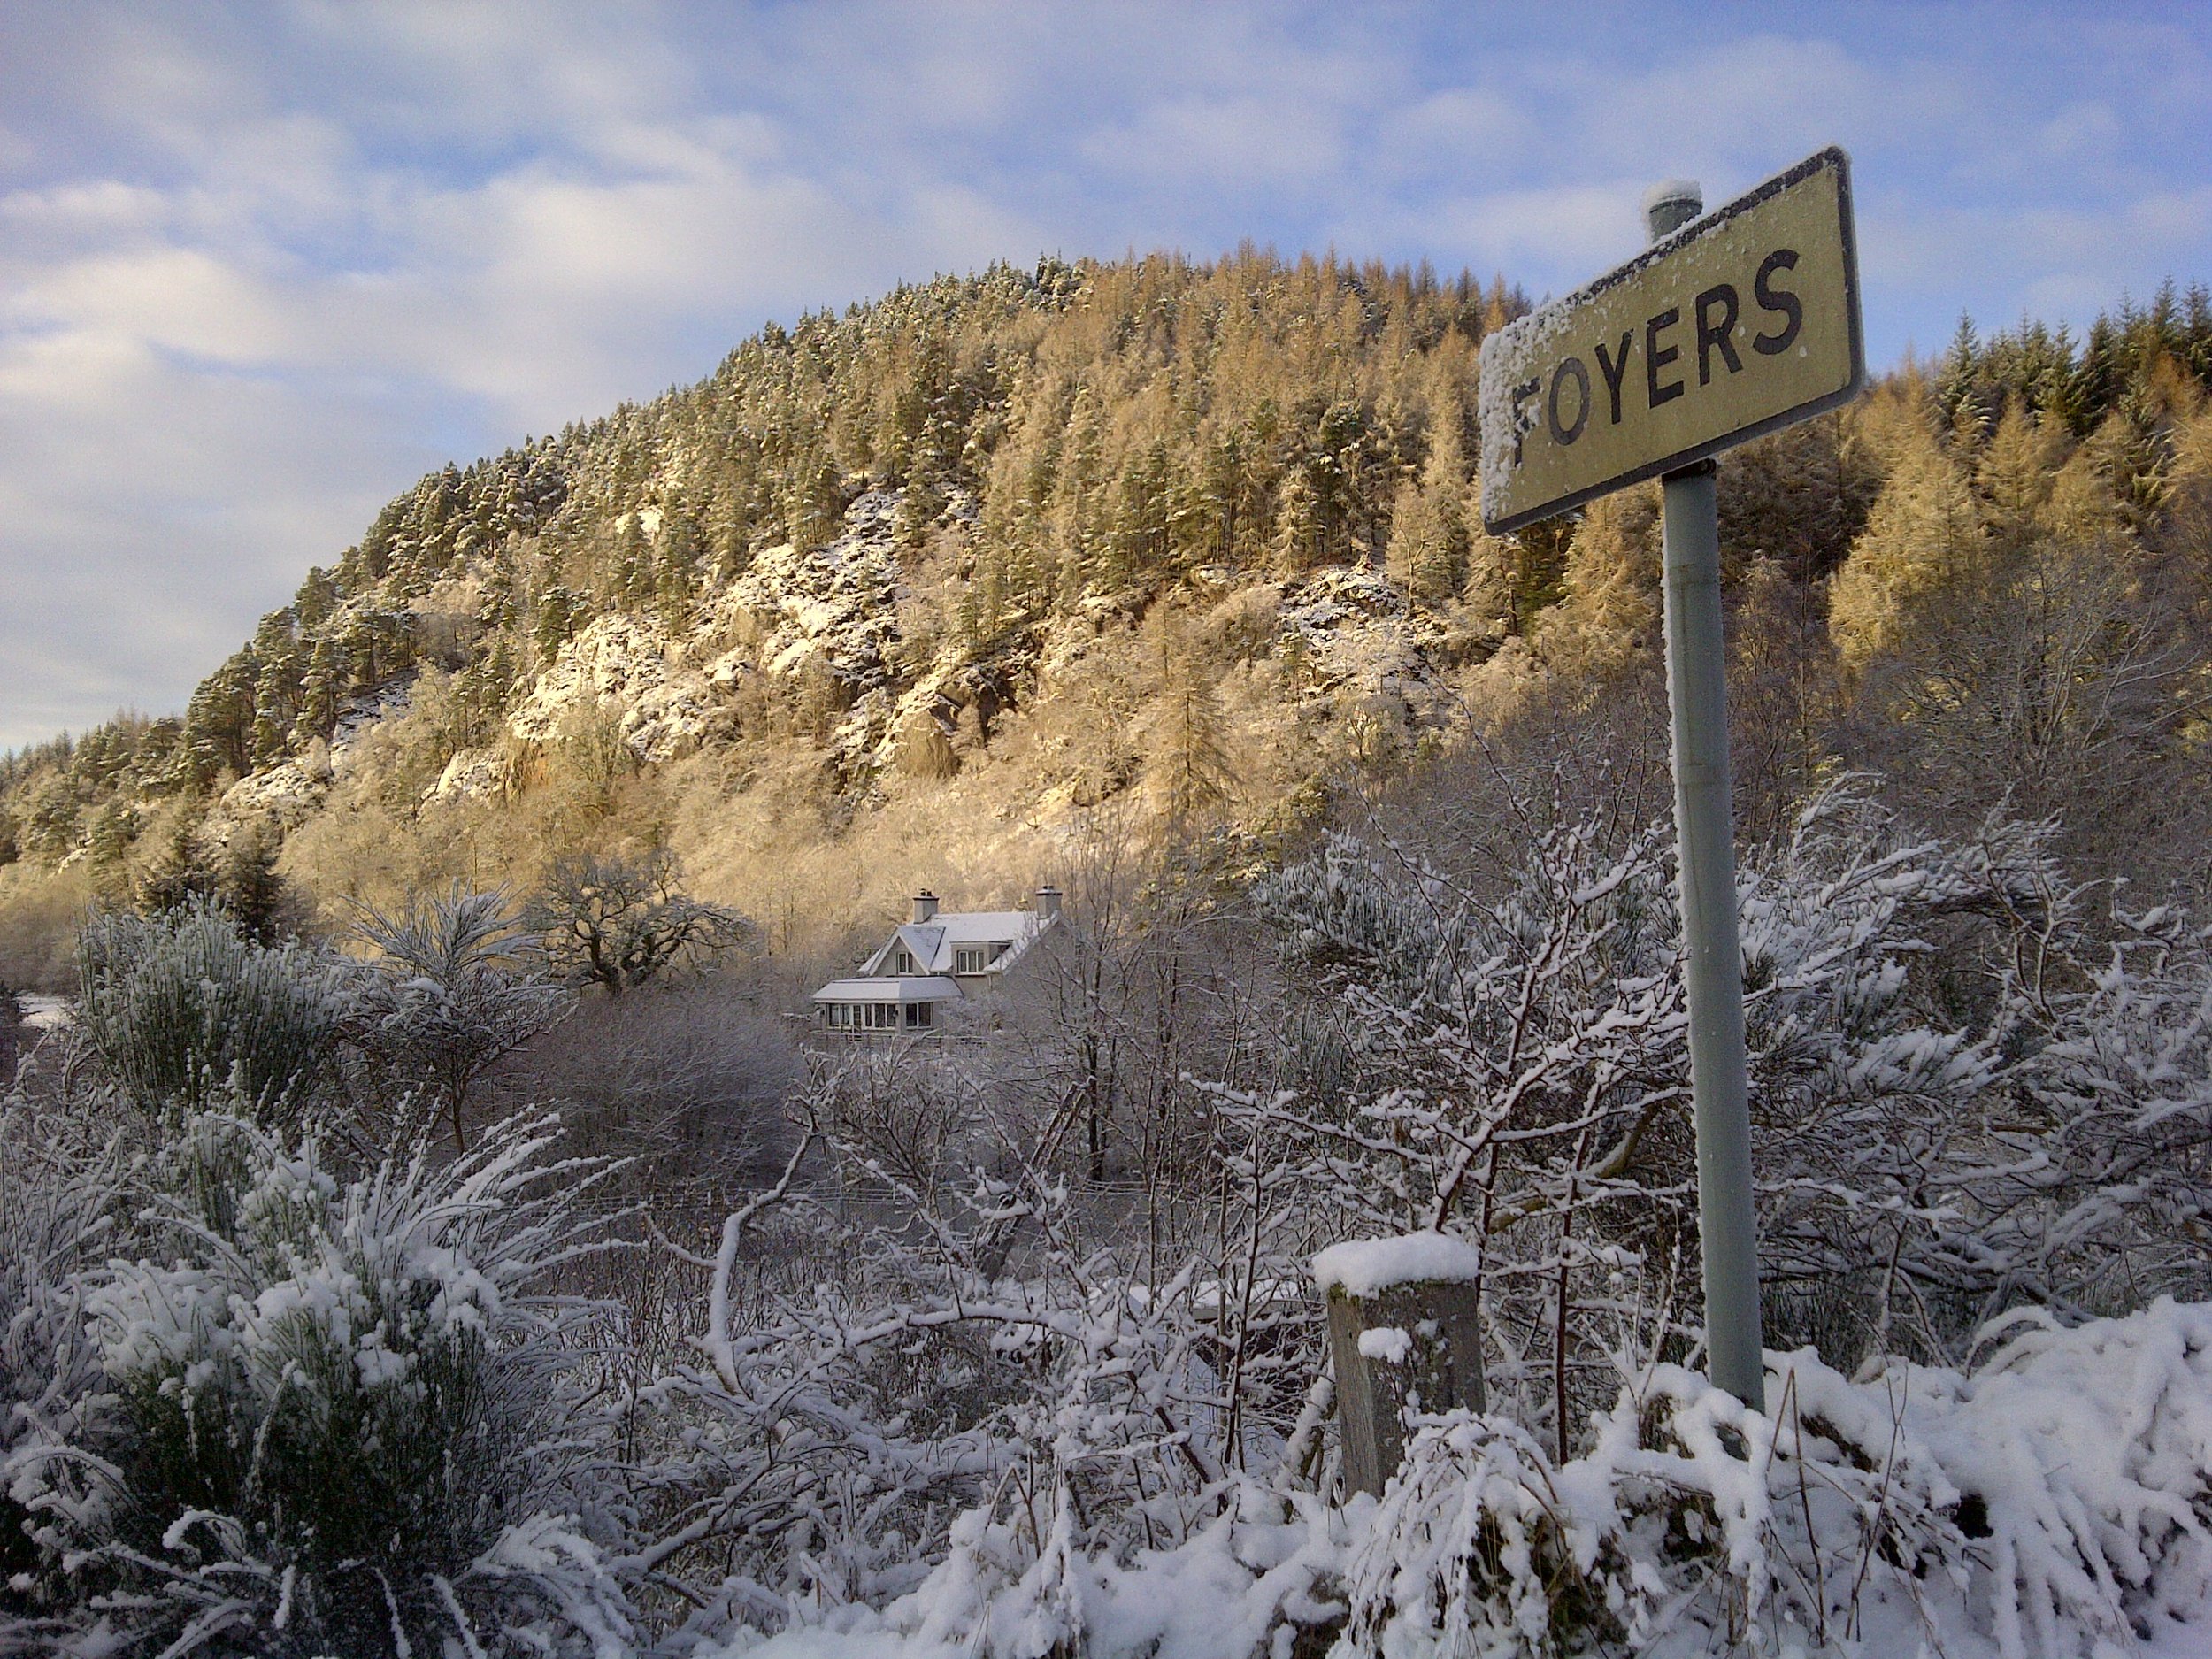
(1048, 903)
(925, 905)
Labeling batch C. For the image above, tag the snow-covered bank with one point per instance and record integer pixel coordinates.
(2053, 1503)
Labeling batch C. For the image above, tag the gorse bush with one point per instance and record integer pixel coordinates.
(338, 1417)
(184, 1010)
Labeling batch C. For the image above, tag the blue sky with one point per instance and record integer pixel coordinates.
(263, 264)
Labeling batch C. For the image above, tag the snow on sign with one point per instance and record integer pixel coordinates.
(1742, 321)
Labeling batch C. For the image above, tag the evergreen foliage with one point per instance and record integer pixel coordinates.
(332, 1415)
(184, 1009)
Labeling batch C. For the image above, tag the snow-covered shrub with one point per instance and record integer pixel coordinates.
(2055, 1503)
(184, 1009)
(57, 1215)
(1257, 1582)
(963, 1336)
(1690, 1524)
(458, 983)
(2110, 1177)
(341, 1417)
(1962, 1098)
(2086, 1459)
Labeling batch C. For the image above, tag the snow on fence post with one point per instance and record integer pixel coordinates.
(1404, 1331)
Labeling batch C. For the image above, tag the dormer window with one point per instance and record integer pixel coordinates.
(902, 961)
(999, 947)
(968, 959)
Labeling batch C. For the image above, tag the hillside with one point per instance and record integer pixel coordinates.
(900, 596)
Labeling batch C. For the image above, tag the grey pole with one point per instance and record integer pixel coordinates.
(1697, 693)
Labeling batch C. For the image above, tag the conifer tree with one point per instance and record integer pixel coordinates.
(1611, 580)
(633, 564)
(2015, 474)
(1925, 530)
(2083, 505)
(1429, 538)
(1190, 765)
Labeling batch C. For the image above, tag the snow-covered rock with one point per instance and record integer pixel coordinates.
(1358, 634)
(611, 665)
(474, 774)
(289, 792)
(837, 604)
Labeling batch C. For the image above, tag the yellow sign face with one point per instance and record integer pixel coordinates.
(1742, 321)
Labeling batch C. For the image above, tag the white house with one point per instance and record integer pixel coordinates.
(934, 967)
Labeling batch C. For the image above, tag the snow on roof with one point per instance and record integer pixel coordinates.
(933, 942)
(912, 988)
(1367, 1266)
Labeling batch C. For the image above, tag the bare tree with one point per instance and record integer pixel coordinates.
(617, 923)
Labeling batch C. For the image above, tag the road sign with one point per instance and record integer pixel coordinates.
(1740, 322)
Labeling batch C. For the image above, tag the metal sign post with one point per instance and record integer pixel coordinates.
(1728, 328)
(1704, 825)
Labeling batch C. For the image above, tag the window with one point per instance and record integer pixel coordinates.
(918, 1015)
(999, 947)
(878, 1016)
(838, 1015)
(968, 959)
(902, 961)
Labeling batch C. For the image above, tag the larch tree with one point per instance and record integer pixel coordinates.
(1611, 610)
(1190, 765)
(1429, 537)
(1925, 530)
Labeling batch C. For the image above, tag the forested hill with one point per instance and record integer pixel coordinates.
(920, 583)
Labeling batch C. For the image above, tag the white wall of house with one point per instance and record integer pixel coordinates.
(940, 971)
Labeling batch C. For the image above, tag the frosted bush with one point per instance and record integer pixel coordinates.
(978, 1345)
(342, 1416)
(2055, 1503)
(455, 984)
(184, 1009)
(2086, 1456)
(1968, 1089)
(57, 1215)
(1691, 1526)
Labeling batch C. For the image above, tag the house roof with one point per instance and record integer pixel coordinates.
(891, 987)
(933, 941)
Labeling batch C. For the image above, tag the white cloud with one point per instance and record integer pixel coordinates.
(260, 268)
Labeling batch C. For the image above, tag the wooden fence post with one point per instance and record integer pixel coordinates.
(1404, 1329)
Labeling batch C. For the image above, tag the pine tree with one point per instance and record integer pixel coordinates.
(633, 564)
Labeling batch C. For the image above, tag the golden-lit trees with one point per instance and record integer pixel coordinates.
(1925, 529)
(1189, 766)
(1610, 614)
